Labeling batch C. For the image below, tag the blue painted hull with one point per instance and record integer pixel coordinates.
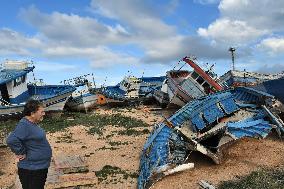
(274, 87)
(52, 96)
(145, 90)
(193, 127)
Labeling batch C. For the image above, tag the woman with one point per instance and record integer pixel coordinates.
(28, 141)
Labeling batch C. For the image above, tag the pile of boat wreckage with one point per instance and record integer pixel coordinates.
(215, 113)
(132, 91)
(76, 94)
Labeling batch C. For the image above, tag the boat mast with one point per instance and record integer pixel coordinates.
(204, 75)
(232, 50)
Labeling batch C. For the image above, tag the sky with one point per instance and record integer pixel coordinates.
(116, 38)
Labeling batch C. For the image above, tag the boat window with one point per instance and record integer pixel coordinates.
(194, 75)
(17, 81)
(125, 85)
(200, 80)
(205, 84)
(206, 87)
(23, 79)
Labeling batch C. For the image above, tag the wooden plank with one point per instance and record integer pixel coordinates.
(70, 164)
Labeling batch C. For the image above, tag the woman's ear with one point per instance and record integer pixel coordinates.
(33, 114)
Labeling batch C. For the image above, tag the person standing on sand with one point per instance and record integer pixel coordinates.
(28, 141)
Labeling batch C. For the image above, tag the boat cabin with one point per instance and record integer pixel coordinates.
(202, 82)
(13, 82)
(131, 85)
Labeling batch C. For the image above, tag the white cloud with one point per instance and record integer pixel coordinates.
(113, 60)
(264, 14)
(245, 22)
(73, 36)
(205, 2)
(135, 23)
(63, 51)
(233, 32)
(14, 43)
(272, 45)
(72, 29)
(51, 67)
(65, 33)
(159, 40)
(99, 57)
(141, 18)
(104, 57)
(271, 69)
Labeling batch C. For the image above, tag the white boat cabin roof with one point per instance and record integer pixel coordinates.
(13, 70)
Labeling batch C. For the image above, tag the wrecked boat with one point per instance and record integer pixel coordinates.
(84, 101)
(14, 90)
(236, 78)
(184, 86)
(208, 125)
(132, 89)
(274, 87)
(85, 97)
(161, 96)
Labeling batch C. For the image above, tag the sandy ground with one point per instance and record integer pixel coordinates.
(241, 158)
(7, 168)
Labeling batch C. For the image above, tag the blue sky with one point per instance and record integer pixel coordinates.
(112, 38)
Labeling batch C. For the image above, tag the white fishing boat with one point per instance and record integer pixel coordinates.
(85, 99)
(183, 85)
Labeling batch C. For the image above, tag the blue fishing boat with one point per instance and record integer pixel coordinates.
(15, 91)
(133, 89)
(274, 87)
(237, 78)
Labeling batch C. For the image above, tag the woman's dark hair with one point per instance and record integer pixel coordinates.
(31, 106)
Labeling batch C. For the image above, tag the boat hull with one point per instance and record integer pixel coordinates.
(208, 125)
(53, 102)
(85, 102)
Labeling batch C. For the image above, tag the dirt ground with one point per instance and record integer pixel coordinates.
(241, 158)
